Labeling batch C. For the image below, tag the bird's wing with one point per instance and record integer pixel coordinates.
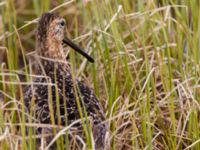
(92, 104)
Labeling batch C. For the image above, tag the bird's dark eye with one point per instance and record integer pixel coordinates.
(62, 23)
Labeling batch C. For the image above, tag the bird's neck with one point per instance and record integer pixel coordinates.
(52, 55)
(51, 48)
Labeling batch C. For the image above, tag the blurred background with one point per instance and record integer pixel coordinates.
(146, 70)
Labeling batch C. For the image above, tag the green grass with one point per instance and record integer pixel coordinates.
(146, 70)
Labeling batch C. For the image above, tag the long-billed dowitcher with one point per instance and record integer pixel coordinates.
(68, 99)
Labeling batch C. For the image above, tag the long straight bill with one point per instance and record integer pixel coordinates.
(78, 49)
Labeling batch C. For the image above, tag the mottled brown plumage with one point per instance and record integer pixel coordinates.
(65, 91)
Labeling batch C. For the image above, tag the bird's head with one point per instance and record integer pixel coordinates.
(51, 26)
(50, 37)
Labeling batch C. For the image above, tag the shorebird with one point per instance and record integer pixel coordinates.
(69, 99)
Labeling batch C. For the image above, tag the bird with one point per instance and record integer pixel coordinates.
(58, 91)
